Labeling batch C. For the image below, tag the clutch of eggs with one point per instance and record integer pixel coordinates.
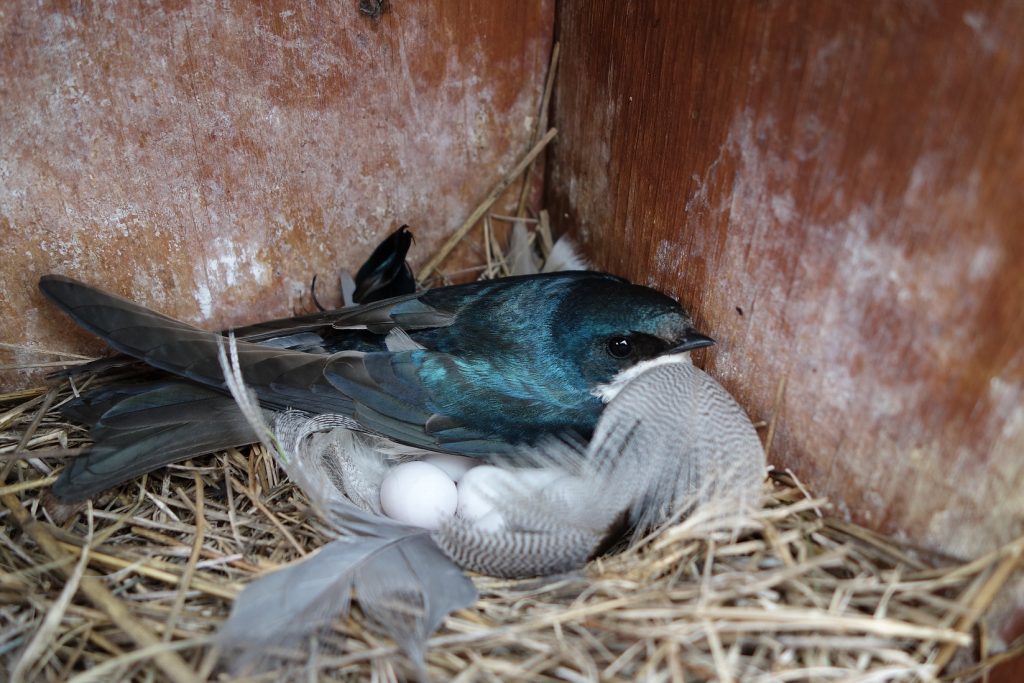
(426, 492)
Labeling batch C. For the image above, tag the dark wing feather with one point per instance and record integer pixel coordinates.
(380, 390)
(282, 378)
(386, 273)
(391, 400)
(138, 428)
(380, 316)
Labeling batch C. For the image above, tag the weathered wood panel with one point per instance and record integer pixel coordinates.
(208, 158)
(835, 188)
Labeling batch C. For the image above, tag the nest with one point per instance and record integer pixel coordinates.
(135, 585)
(138, 585)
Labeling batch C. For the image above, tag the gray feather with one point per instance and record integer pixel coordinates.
(670, 439)
(404, 585)
(685, 439)
(516, 553)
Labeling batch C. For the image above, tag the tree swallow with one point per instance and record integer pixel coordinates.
(475, 369)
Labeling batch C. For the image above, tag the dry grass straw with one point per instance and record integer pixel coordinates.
(134, 586)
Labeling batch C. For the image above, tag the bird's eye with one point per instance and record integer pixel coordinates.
(620, 347)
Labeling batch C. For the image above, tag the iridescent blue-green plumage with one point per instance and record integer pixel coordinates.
(490, 365)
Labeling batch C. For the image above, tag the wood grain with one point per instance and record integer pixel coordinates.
(834, 189)
(208, 158)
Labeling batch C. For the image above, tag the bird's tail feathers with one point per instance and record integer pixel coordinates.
(138, 428)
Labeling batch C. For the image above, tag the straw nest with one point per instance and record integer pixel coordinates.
(135, 585)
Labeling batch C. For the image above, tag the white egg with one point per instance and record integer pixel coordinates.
(453, 465)
(419, 494)
(485, 489)
(479, 490)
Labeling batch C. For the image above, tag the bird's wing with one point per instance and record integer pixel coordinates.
(380, 390)
(405, 311)
(281, 377)
(389, 398)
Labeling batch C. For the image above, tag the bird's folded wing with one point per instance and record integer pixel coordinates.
(390, 399)
(281, 378)
(404, 311)
(380, 390)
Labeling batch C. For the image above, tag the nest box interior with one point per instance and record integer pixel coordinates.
(832, 189)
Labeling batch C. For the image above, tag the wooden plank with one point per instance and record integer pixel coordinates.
(834, 188)
(209, 158)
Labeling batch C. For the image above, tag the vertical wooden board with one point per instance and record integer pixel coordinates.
(208, 158)
(835, 190)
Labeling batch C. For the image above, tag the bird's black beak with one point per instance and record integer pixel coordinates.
(693, 340)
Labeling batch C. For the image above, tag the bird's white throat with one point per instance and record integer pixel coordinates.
(606, 392)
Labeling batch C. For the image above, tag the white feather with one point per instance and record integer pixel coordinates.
(399, 340)
(348, 288)
(564, 256)
(606, 392)
(521, 257)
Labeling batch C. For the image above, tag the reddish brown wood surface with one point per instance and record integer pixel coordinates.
(208, 158)
(835, 190)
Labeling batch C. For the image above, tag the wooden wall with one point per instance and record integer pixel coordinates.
(836, 190)
(209, 157)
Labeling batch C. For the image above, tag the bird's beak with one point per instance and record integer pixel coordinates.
(693, 340)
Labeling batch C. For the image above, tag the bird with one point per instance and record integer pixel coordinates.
(477, 369)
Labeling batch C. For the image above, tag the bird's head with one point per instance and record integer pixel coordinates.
(609, 325)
